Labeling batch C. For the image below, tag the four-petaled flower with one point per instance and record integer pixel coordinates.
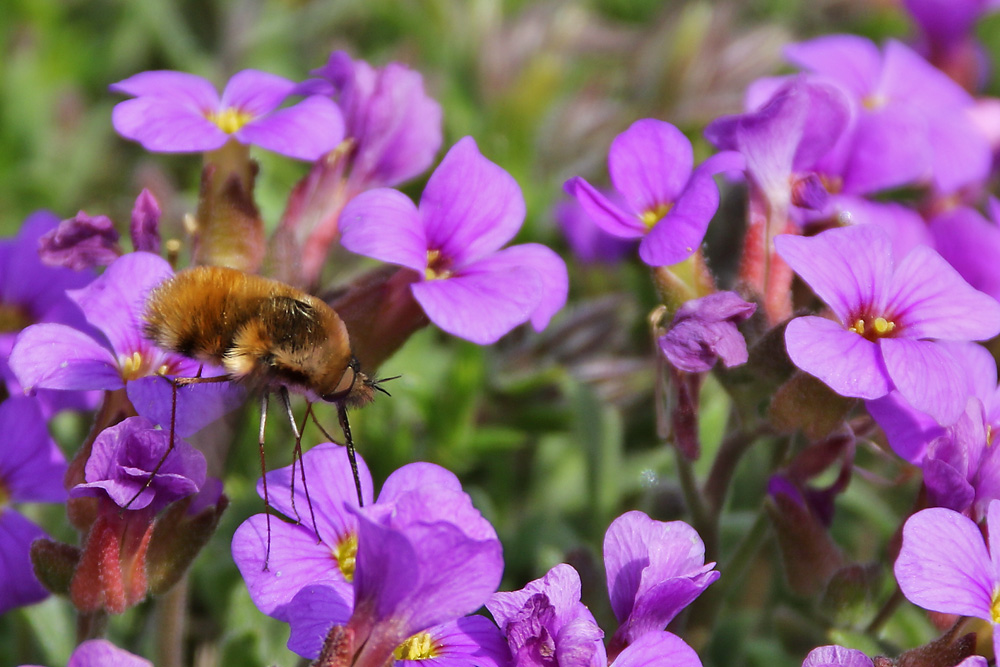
(890, 312)
(177, 112)
(669, 204)
(470, 287)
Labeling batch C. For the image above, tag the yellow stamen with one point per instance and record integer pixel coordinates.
(229, 120)
(346, 553)
(4, 494)
(989, 435)
(882, 326)
(874, 102)
(650, 218)
(872, 328)
(132, 367)
(418, 647)
(436, 266)
(995, 606)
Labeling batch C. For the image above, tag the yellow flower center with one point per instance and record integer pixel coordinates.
(418, 647)
(437, 266)
(13, 318)
(989, 435)
(995, 606)
(346, 553)
(872, 328)
(4, 494)
(133, 367)
(229, 120)
(874, 102)
(651, 217)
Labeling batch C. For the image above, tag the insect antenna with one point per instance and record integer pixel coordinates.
(376, 383)
(297, 454)
(352, 457)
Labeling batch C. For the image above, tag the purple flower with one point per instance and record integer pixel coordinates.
(470, 208)
(969, 242)
(947, 37)
(419, 557)
(31, 470)
(546, 624)
(57, 356)
(784, 141)
(906, 228)
(654, 570)
(102, 653)
(122, 462)
(395, 125)
(145, 226)
(80, 243)
(176, 112)
(588, 241)
(464, 641)
(704, 330)
(296, 557)
(669, 206)
(961, 468)
(889, 315)
(31, 292)
(944, 565)
(912, 121)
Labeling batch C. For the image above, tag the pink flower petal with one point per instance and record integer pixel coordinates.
(650, 163)
(603, 211)
(658, 649)
(847, 268)
(929, 299)
(484, 302)
(166, 126)
(55, 356)
(179, 87)
(255, 92)
(115, 301)
(296, 561)
(331, 487)
(680, 233)
(384, 224)
(943, 564)
(848, 363)
(306, 131)
(927, 377)
(852, 61)
(470, 207)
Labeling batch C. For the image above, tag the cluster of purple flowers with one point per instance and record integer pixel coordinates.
(902, 294)
(408, 569)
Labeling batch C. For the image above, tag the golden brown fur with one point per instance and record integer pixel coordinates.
(263, 332)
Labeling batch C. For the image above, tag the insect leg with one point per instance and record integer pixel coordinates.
(283, 392)
(170, 445)
(263, 474)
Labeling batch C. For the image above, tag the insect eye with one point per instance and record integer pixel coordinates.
(344, 388)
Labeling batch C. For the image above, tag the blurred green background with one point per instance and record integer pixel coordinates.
(553, 434)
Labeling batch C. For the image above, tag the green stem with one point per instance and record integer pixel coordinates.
(171, 610)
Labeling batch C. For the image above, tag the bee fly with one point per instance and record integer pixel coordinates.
(267, 336)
